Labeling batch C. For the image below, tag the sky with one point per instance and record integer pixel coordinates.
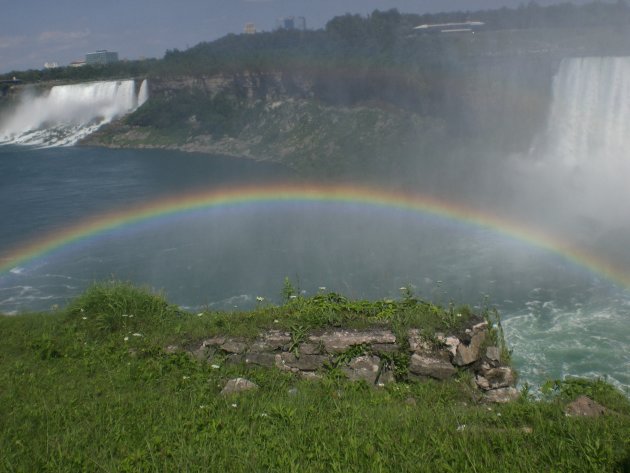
(33, 32)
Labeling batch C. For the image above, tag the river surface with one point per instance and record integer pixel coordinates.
(560, 318)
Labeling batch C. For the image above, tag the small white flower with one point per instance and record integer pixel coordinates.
(215, 367)
(81, 310)
(126, 339)
(185, 377)
(322, 288)
(260, 298)
(130, 316)
(199, 314)
(461, 427)
(276, 321)
(203, 406)
(124, 315)
(292, 296)
(136, 334)
(84, 318)
(459, 315)
(402, 288)
(233, 405)
(499, 414)
(264, 414)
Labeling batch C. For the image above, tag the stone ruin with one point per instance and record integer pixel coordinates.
(371, 355)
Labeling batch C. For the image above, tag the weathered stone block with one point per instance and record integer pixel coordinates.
(304, 362)
(338, 341)
(502, 395)
(385, 348)
(310, 349)
(234, 346)
(493, 354)
(469, 353)
(214, 341)
(237, 385)
(430, 366)
(267, 360)
(363, 368)
(495, 378)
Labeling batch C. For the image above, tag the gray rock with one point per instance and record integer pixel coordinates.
(304, 362)
(584, 406)
(214, 341)
(495, 378)
(502, 395)
(469, 353)
(338, 341)
(431, 366)
(237, 385)
(276, 340)
(235, 359)
(385, 348)
(417, 342)
(268, 360)
(386, 377)
(309, 349)
(493, 354)
(363, 368)
(234, 346)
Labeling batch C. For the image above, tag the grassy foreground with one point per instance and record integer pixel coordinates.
(91, 389)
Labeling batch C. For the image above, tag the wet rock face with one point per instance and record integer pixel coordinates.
(371, 355)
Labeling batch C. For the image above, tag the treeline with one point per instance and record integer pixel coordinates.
(380, 39)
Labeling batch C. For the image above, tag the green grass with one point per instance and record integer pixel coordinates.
(76, 396)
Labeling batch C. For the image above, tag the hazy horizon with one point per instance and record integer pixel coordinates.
(34, 32)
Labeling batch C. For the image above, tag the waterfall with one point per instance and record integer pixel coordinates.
(583, 160)
(590, 114)
(68, 113)
(143, 93)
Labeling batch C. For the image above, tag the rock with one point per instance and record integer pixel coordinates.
(493, 354)
(277, 340)
(385, 348)
(431, 366)
(502, 395)
(304, 362)
(584, 406)
(469, 353)
(451, 344)
(338, 341)
(203, 353)
(214, 341)
(417, 343)
(237, 385)
(233, 346)
(309, 349)
(386, 377)
(363, 368)
(235, 359)
(267, 360)
(171, 349)
(495, 378)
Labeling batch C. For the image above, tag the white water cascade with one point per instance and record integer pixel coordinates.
(590, 114)
(584, 158)
(68, 113)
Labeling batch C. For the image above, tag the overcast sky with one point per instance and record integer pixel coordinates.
(33, 32)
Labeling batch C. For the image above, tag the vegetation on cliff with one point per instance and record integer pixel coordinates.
(94, 387)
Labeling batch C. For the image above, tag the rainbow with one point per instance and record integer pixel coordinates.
(248, 195)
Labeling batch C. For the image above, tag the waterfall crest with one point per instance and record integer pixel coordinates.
(68, 113)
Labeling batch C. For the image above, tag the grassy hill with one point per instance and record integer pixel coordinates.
(98, 387)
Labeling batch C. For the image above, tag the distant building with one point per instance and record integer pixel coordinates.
(463, 27)
(250, 28)
(101, 57)
(50, 65)
(77, 64)
(292, 23)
